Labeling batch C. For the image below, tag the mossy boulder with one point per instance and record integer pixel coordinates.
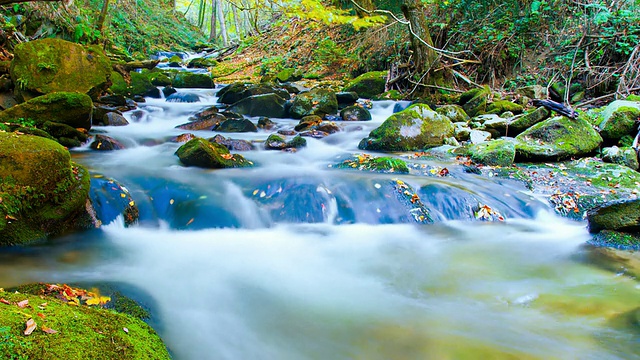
(533, 91)
(53, 65)
(368, 84)
(140, 85)
(202, 63)
(319, 102)
(474, 102)
(366, 162)
(43, 193)
(494, 153)
(626, 156)
(202, 153)
(455, 113)
(289, 74)
(81, 332)
(237, 91)
(191, 80)
(66, 135)
(355, 113)
(277, 142)
(236, 126)
(621, 215)
(73, 109)
(522, 122)
(619, 119)
(415, 128)
(556, 139)
(270, 105)
(502, 106)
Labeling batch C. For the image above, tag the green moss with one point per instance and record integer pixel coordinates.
(368, 84)
(73, 109)
(616, 239)
(191, 80)
(315, 102)
(140, 84)
(494, 153)
(620, 123)
(372, 163)
(202, 153)
(501, 106)
(633, 98)
(82, 332)
(389, 95)
(288, 74)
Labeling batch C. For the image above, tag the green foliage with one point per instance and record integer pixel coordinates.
(328, 51)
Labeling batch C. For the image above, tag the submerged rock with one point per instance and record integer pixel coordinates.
(416, 128)
(183, 97)
(43, 193)
(106, 143)
(111, 199)
(202, 153)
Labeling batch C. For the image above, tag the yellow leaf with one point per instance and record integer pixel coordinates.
(99, 300)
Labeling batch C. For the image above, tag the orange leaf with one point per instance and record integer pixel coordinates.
(41, 315)
(6, 302)
(23, 304)
(31, 325)
(48, 330)
(227, 156)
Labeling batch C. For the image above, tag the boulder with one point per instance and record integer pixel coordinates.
(289, 74)
(626, 156)
(621, 215)
(53, 65)
(169, 90)
(202, 153)
(474, 102)
(277, 142)
(205, 123)
(355, 113)
(346, 98)
(73, 109)
(159, 79)
(319, 102)
(368, 84)
(497, 124)
(236, 126)
(202, 63)
(43, 193)
(416, 128)
(106, 143)
(494, 153)
(533, 92)
(183, 97)
(479, 136)
(190, 80)
(235, 92)
(556, 139)
(455, 113)
(112, 119)
(140, 85)
(232, 144)
(619, 119)
(65, 134)
(270, 105)
(502, 106)
(522, 122)
(205, 113)
(308, 122)
(266, 123)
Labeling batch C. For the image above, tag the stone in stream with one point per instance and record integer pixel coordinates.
(368, 84)
(106, 143)
(619, 119)
(67, 108)
(206, 123)
(621, 215)
(111, 199)
(522, 122)
(556, 139)
(183, 97)
(57, 200)
(183, 79)
(276, 142)
(202, 153)
(494, 153)
(236, 126)
(265, 123)
(319, 102)
(65, 134)
(113, 119)
(416, 128)
(308, 122)
(232, 144)
(140, 85)
(270, 105)
(168, 91)
(346, 98)
(355, 113)
(237, 91)
(626, 156)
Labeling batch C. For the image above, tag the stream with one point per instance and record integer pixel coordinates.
(295, 259)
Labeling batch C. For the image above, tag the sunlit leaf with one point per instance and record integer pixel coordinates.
(30, 326)
(48, 330)
(23, 304)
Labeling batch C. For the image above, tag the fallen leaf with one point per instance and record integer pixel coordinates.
(6, 302)
(48, 330)
(41, 315)
(227, 156)
(100, 300)
(125, 330)
(31, 325)
(23, 304)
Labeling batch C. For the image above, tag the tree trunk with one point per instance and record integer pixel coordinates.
(236, 22)
(425, 58)
(223, 27)
(212, 34)
(103, 16)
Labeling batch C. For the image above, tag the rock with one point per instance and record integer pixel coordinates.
(416, 128)
(58, 190)
(522, 122)
(328, 127)
(168, 90)
(202, 63)
(498, 125)
(288, 74)
(111, 199)
(533, 92)
(115, 100)
(621, 215)
(53, 65)
(462, 132)
(232, 115)
(355, 113)
(140, 85)
(619, 119)
(266, 123)
(183, 97)
(455, 113)
(286, 132)
(236, 126)
(159, 79)
(190, 80)
(207, 123)
(493, 153)
(626, 156)
(270, 105)
(314, 102)
(478, 136)
(346, 98)
(113, 119)
(237, 91)
(368, 84)
(206, 113)
(556, 139)
(276, 142)
(232, 144)
(65, 134)
(202, 153)
(308, 122)
(316, 134)
(73, 109)
(183, 138)
(106, 143)
(501, 106)
(474, 102)
(619, 240)
(389, 95)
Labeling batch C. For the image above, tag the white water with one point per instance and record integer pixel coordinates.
(271, 289)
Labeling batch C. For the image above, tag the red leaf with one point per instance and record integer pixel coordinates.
(6, 302)
(23, 304)
(31, 325)
(41, 315)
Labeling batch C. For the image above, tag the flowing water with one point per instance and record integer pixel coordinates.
(294, 259)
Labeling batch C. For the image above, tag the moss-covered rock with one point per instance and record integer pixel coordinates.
(288, 74)
(202, 153)
(73, 109)
(495, 153)
(556, 139)
(616, 239)
(626, 156)
(202, 63)
(367, 162)
(524, 121)
(237, 91)
(277, 142)
(43, 193)
(415, 128)
(66, 135)
(368, 84)
(619, 119)
(140, 85)
(81, 332)
(270, 105)
(319, 102)
(236, 126)
(474, 102)
(53, 65)
(501, 106)
(619, 216)
(355, 113)
(191, 80)
(455, 113)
